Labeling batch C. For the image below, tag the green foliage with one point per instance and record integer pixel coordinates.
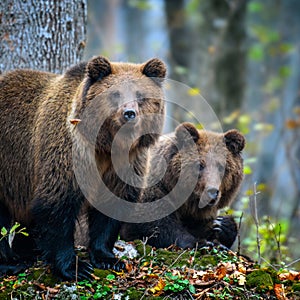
(10, 234)
(93, 290)
(140, 4)
(255, 6)
(256, 52)
(175, 284)
(273, 237)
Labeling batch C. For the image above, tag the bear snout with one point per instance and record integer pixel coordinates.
(212, 194)
(129, 114)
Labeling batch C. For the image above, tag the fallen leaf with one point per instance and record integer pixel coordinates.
(292, 275)
(279, 291)
(221, 272)
(159, 288)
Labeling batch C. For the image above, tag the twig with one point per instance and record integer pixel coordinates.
(172, 264)
(253, 207)
(146, 239)
(293, 262)
(239, 234)
(76, 270)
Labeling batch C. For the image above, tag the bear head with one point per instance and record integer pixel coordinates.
(212, 160)
(122, 97)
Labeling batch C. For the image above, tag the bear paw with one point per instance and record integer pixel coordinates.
(68, 270)
(108, 263)
(224, 230)
(7, 269)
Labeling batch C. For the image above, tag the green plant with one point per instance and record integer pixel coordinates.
(10, 234)
(175, 284)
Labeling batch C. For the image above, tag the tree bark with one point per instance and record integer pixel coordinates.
(45, 35)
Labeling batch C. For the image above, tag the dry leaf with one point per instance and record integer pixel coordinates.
(129, 267)
(95, 277)
(152, 275)
(208, 276)
(221, 272)
(241, 279)
(279, 291)
(75, 121)
(292, 275)
(241, 268)
(52, 290)
(159, 288)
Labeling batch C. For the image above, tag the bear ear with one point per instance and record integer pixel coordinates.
(97, 68)
(154, 68)
(234, 141)
(184, 132)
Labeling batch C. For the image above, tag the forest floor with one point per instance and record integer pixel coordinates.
(205, 273)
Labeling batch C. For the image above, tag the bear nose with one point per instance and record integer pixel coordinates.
(129, 114)
(213, 194)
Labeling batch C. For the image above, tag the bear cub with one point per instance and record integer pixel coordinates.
(213, 162)
(41, 133)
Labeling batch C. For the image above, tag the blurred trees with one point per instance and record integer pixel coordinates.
(44, 35)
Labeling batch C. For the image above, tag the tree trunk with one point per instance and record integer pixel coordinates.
(45, 35)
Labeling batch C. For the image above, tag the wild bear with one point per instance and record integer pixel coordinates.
(41, 132)
(214, 163)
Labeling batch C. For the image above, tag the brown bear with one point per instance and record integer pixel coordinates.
(41, 133)
(213, 162)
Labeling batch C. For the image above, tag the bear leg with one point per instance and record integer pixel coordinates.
(54, 228)
(103, 232)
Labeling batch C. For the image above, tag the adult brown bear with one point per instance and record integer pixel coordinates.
(38, 188)
(212, 162)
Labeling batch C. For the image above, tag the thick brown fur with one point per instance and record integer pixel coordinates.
(38, 187)
(218, 165)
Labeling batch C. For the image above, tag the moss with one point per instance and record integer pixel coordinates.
(101, 273)
(169, 257)
(134, 293)
(296, 287)
(259, 279)
(273, 273)
(4, 295)
(206, 260)
(44, 276)
(140, 248)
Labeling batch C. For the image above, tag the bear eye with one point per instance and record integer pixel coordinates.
(199, 167)
(221, 168)
(139, 96)
(115, 95)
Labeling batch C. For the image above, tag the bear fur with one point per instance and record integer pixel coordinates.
(39, 124)
(217, 167)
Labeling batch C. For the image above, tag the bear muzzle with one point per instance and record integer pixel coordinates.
(129, 115)
(129, 112)
(209, 197)
(212, 194)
